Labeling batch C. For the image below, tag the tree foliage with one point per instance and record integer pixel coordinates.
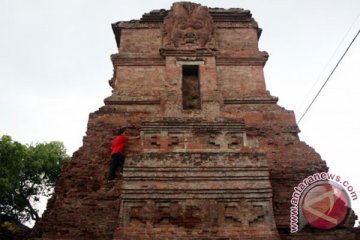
(27, 172)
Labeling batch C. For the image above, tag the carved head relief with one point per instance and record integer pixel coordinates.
(188, 26)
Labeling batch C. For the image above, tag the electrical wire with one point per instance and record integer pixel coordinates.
(337, 64)
(330, 60)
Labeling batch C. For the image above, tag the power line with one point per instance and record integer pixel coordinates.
(330, 60)
(337, 64)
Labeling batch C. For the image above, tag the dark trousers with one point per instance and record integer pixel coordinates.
(117, 160)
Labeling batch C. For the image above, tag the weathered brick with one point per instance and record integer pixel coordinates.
(225, 170)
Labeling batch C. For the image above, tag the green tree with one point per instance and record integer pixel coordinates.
(27, 172)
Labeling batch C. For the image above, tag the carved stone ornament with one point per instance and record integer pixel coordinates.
(188, 26)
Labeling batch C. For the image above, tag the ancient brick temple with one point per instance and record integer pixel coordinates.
(217, 158)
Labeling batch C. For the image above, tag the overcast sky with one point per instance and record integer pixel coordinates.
(55, 66)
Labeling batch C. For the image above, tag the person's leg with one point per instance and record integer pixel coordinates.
(113, 166)
(121, 162)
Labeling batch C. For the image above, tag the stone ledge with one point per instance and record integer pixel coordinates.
(184, 195)
(217, 14)
(136, 61)
(120, 100)
(259, 60)
(198, 127)
(188, 52)
(272, 100)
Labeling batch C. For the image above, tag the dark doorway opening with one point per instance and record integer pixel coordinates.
(191, 87)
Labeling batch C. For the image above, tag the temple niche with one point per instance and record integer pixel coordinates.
(191, 87)
(217, 157)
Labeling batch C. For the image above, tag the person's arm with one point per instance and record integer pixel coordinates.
(133, 137)
(126, 133)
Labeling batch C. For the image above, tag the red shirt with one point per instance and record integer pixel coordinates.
(117, 145)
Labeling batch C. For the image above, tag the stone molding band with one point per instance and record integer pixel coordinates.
(205, 127)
